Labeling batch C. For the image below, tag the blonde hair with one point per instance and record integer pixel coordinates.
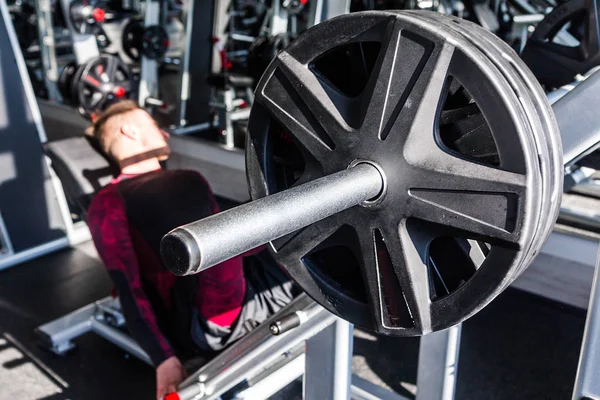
(96, 129)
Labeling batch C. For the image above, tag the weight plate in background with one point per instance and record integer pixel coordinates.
(25, 28)
(293, 7)
(100, 82)
(131, 40)
(556, 64)
(86, 16)
(263, 50)
(372, 86)
(155, 42)
(65, 81)
(151, 42)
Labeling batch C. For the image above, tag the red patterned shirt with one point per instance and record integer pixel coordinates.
(127, 219)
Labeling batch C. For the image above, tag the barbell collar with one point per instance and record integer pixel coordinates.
(197, 246)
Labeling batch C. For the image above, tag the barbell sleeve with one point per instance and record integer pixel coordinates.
(197, 246)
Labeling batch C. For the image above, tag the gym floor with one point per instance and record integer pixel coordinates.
(520, 347)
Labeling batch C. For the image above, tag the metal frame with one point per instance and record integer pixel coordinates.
(319, 349)
(328, 371)
(48, 48)
(278, 21)
(322, 10)
(12, 258)
(197, 64)
(437, 380)
(268, 363)
(33, 253)
(149, 68)
(6, 248)
(184, 90)
(102, 317)
(228, 109)
(587, 384)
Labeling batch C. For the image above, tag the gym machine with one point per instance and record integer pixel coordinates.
(377, 191)
(116, 50)
(190, 249)
(34, 217)
(327, 179)
(248, 40)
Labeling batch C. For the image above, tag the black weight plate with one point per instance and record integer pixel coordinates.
(539, 113)
(65, 81)
(250, 17)
(554, 171)
(554, 64)
(155, 42)
(372, 265)
(86, 16)
(293, 7)
(26, 31)
(263, 50)
(100, 82)
(132, 39)
(499, 56)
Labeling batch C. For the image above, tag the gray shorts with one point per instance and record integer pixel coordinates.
(268, 289)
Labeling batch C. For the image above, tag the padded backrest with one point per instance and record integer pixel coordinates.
(81, 169)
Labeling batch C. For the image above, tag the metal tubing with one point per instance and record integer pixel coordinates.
(252, 354)
(587, 384)
(272, 384)
(438, 364)
(328, 372)
(195, 247)
(121, 340)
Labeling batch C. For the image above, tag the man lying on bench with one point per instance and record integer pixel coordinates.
(171, 317)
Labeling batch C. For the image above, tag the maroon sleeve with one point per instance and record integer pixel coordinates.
(109, 227)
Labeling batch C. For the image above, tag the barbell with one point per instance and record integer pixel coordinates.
(405, 168)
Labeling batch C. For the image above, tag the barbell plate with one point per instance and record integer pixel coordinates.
(544, 128)
(545, 131)
(100, 82)
(380, 273)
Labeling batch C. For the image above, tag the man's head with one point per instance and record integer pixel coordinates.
(127, 132)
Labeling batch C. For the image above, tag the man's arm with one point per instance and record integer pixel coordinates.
(110, 231)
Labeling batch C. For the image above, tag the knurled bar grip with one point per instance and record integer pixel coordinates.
(202, 244)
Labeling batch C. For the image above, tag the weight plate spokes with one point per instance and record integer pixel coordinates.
(540, 114)
(452, 225)
(86, 16)
(100, 82)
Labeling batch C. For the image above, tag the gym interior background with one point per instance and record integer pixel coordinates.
(468, 127)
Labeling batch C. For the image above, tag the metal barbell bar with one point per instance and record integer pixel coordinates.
(202, 244)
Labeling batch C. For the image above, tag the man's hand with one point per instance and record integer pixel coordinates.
(169, 374)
